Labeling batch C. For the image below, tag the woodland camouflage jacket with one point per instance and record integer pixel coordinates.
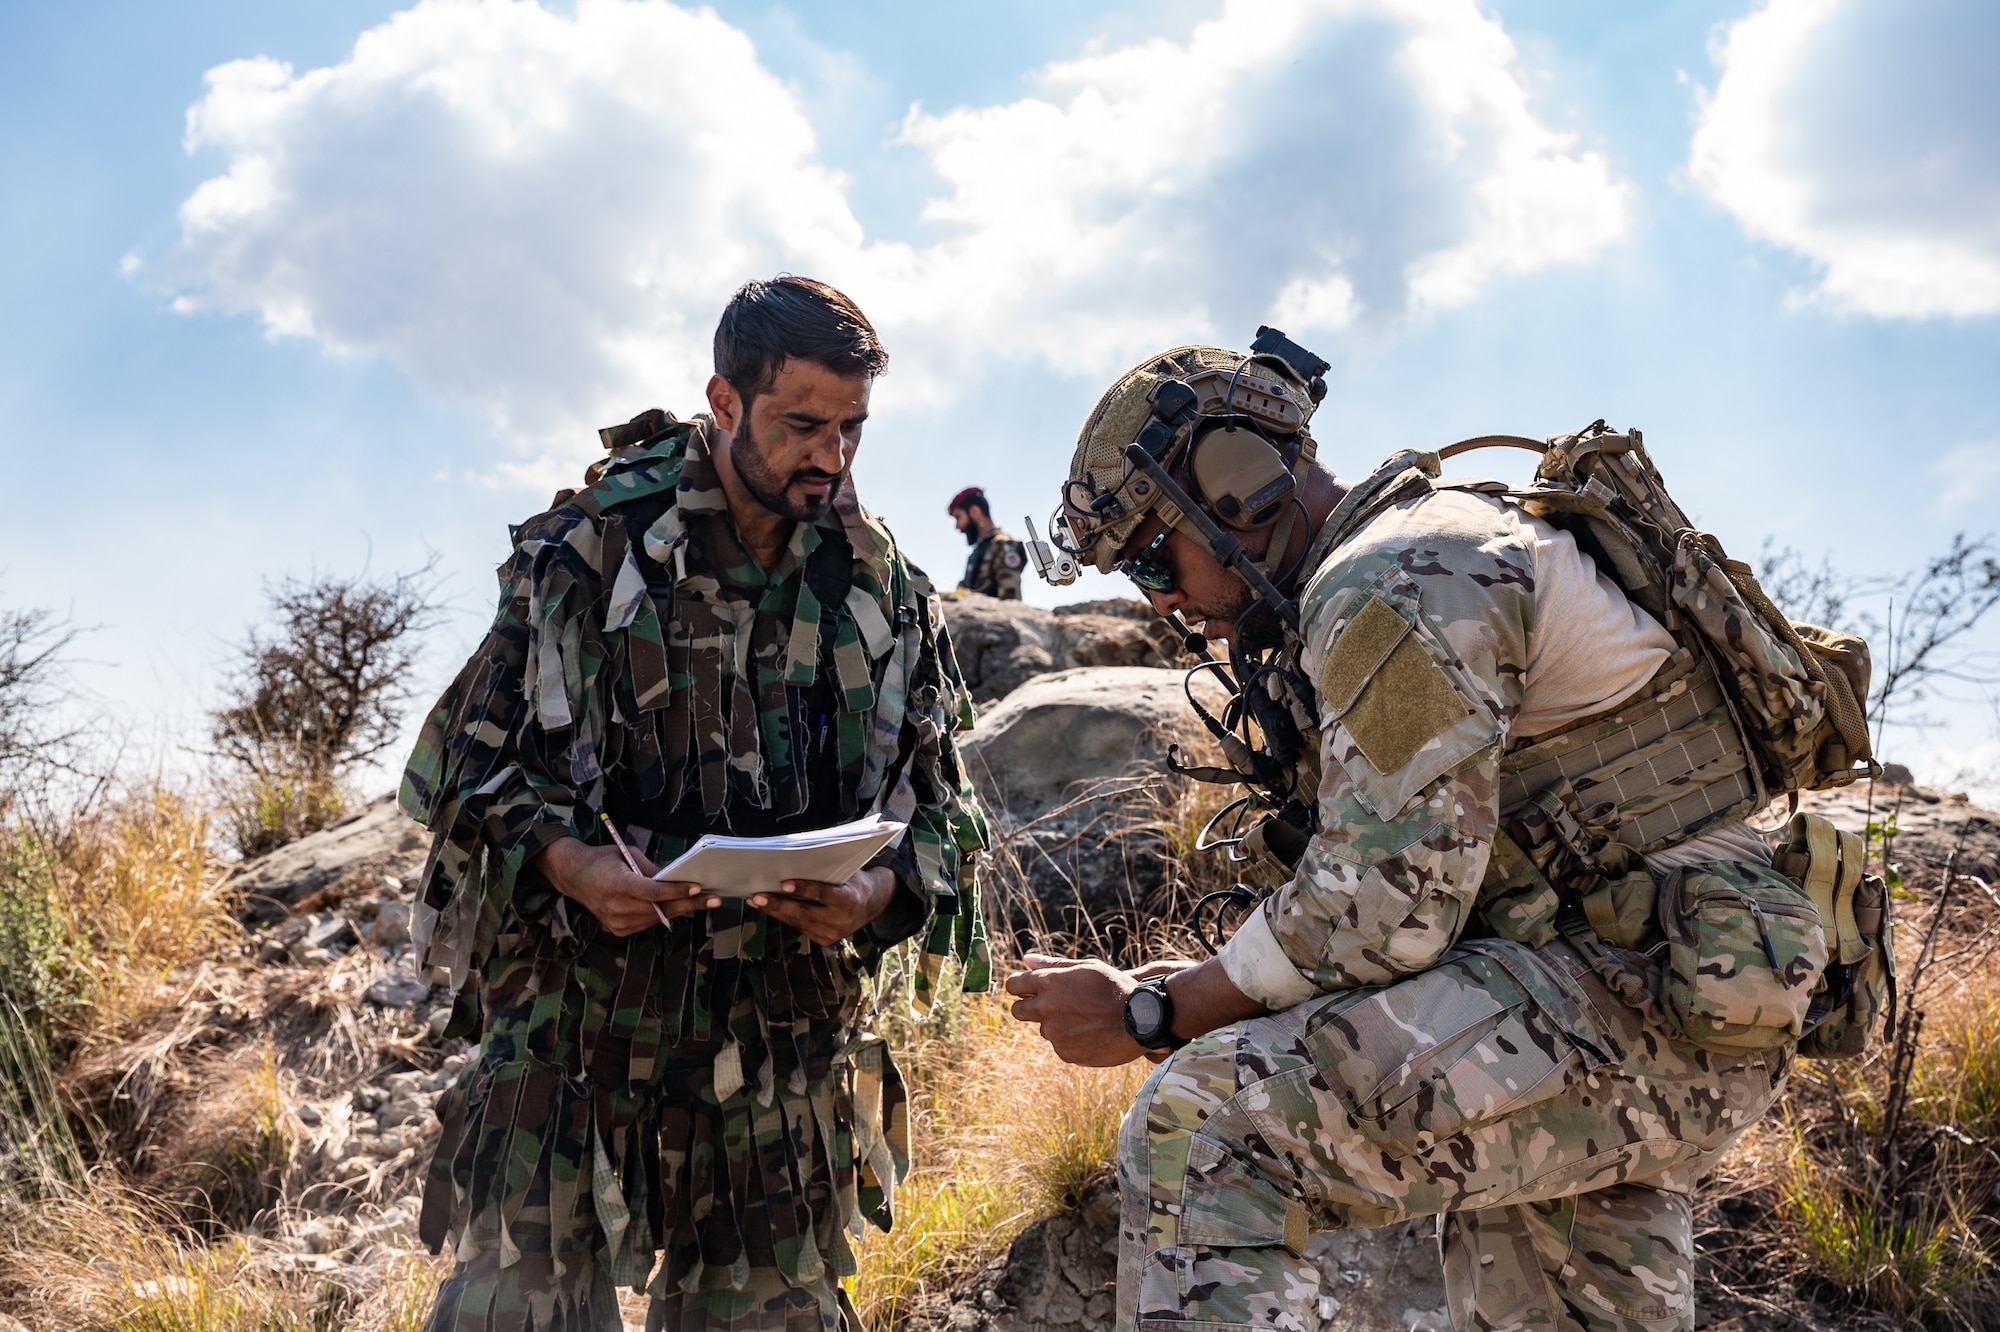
(700, 1089)
(627, 649)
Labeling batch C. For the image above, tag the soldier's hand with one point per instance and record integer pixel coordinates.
(1080, 1006)
(826, 913)
(623, 902)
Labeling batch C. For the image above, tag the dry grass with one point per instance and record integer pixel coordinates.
(1908, 1230)
(103, 1259)
(104, 904)
(1003, 1132)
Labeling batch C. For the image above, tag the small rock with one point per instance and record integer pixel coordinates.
(368, 1098)
(392, 883)
(308, 1114)
(335, 934)
(323, 1234)
(267, 952)
(440, 1019)
(397, 990)
(391, 927)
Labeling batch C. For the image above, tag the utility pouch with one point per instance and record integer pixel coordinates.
(1745, 952)
(1861, 972)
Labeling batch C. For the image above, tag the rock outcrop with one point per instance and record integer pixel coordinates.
(356, 853)
(1003, 644)
(1069, 767)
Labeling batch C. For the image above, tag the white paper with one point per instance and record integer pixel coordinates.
(744, 866)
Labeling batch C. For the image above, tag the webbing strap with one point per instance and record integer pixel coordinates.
(1827, 863)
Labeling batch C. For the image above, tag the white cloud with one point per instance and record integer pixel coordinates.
(540, 213)
(1865, 135)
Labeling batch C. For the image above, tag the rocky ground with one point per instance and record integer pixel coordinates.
(327, 1012)
(310, 1065)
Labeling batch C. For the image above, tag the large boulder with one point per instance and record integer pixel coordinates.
(1003, 644)
(1069, 766)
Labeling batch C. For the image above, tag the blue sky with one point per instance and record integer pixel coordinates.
(274, 302)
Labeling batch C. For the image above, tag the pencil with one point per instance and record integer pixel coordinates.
(626, 852)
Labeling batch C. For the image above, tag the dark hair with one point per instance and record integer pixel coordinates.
(768, 323)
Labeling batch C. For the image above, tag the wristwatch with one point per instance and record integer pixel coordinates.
(1149, 1016)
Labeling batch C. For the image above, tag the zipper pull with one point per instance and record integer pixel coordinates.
(1764, 937)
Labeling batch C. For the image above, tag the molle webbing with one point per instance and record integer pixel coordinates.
(1669, 760)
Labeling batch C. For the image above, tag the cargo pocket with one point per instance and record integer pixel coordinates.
(1439, 1054)
(1227, 1204)
(1745, 950)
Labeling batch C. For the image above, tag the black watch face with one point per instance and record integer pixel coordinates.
(1148, 1013)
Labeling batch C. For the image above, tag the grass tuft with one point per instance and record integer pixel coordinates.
(1003, 1132)
(1905, 1261)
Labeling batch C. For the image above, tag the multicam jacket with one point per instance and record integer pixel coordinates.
(1416, 630)
(642, 663)
(994, 566)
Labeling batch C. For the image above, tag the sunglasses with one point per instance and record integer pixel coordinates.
(1146, 568)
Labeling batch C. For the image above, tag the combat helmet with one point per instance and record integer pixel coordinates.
(1213, 441)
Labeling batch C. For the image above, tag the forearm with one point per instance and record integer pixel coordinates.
(1205, 998)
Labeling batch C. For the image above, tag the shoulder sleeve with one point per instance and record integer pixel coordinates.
(496, 771)
(1418, 648)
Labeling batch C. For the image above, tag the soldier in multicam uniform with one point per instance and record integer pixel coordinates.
(711, 636)
(994, 566)
(1421, 1019)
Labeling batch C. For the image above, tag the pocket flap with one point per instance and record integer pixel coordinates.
(1226, 1204)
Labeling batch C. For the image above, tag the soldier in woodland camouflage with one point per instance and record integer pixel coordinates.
(994, 566)
(674, 1092)
(1452, 1004)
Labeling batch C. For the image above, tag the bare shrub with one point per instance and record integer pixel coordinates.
(35, 744)
(317, 692)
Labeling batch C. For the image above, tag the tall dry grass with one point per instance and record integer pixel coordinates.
(1002, 1132)
(99, 906)
(1902, 1223)
(101, 1258)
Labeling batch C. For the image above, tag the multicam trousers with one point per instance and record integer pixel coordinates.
(1558, 1142)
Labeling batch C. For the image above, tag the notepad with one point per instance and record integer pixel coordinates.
(745, 866)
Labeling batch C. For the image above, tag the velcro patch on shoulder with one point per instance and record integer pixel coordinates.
(1370, 635)
(1385, 689)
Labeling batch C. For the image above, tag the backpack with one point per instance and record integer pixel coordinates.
(1797, 693)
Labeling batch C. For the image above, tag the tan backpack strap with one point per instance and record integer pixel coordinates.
(1827, 863)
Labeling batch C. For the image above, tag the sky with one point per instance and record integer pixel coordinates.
(295, 288)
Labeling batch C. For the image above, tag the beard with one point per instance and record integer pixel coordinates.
(971, 536)
(774, 491)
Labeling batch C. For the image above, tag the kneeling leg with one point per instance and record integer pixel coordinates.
(1619, 1259)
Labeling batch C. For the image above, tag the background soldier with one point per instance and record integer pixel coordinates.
(712, 635)
(1422, 1019)
(994, 567)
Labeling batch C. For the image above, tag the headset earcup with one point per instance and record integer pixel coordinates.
(1240, 478)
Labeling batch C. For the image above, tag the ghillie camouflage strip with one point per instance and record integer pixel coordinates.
(707, 1089)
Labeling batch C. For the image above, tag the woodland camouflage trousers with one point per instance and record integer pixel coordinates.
(1557, 1139)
